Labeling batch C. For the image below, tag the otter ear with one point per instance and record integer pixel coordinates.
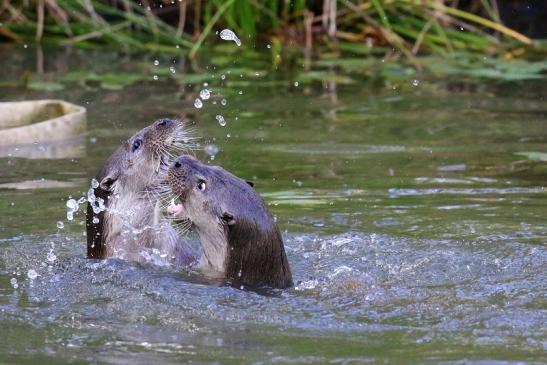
(228, 219)
(107, 182)
(250, 183)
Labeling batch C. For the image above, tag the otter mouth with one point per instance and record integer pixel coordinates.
(164, 161)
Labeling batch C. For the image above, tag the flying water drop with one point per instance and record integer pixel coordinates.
(228, 35)
(205, 94)
(220, 119)
(211, 150)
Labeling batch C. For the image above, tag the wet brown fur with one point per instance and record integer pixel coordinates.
(126, 184)
(231, 220)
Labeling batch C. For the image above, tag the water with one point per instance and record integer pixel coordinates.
(415, 230)
(229, 35)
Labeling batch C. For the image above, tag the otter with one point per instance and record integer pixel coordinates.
(239, 238)
(124, 217)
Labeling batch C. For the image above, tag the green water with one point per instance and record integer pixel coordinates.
(413, 215)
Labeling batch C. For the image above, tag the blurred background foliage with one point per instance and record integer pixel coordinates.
(390, 28)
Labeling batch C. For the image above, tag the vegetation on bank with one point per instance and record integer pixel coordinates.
(395, 27)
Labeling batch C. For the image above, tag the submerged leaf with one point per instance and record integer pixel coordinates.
(534, 156)
(45, 86)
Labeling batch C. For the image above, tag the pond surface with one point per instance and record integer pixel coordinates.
(413, 214)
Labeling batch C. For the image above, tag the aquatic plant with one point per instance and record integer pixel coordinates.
(399, 26)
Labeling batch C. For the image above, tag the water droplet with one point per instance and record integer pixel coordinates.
(177, 46)
(211, 150)
(197, 103)
(13, 282)
(223, 102)
(268, 46)
(228, 35)
(205, 84)
(240, 92)
(220, 119)
(172, 69)
(155, 77)
(223, 77)
(296, 84)
(205, 94)
(25, 45)
(69, 215)
(60, 225)
(72, 204)
(415, 82)
(95, 220)
(51, 257)
(156, 62)
(32, 274)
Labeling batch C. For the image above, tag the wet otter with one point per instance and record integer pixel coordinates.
(239, 237)
(124, 218)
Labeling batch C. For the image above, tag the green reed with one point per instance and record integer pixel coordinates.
(407, 27)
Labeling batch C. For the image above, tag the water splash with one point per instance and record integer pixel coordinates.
(32, 274)
(198, 103)
(229, 35)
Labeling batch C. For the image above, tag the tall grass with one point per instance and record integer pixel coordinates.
(406, 26)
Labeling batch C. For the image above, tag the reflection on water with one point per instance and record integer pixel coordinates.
(67, 149)
(413, 220)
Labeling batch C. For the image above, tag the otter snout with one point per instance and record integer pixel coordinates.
(179, 175)
(166, 123)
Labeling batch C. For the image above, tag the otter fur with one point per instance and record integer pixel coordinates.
(124, 217)
(239, 238)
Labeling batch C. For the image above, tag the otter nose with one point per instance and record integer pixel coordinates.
(178, 164)
(165, 122)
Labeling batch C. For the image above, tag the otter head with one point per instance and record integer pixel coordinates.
(204, 191)
(137, 166)
(137, 163)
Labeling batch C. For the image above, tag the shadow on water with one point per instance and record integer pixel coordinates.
(413, 219)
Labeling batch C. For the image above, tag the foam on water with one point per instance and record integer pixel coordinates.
(344, 282)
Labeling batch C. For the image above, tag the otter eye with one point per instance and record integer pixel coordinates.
(201, 185)
(163, 122)
(136, 145)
